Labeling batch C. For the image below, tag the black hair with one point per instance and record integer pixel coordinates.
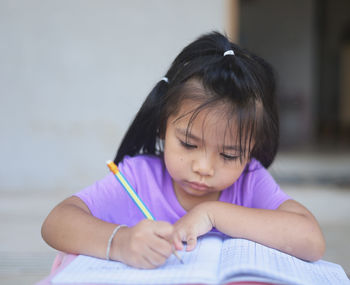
(244, 82)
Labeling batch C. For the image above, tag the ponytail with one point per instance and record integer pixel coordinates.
(142, 135)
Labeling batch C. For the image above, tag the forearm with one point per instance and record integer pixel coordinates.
(291, 232)
(72, 229)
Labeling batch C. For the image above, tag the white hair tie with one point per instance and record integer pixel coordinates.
(165, 79)
(229, 52)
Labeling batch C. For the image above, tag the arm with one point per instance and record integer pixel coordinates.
(70, 227)
(291, 228)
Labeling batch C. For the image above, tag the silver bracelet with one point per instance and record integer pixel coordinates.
(111, 239)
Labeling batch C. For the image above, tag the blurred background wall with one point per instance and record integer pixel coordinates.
(73, 74)
(284, 34)
(308, 43)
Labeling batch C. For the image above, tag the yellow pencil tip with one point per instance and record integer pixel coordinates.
(178, 257)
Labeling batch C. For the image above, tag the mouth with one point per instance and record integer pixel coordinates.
(198, 186)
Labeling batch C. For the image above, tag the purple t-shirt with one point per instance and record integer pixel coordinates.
(108, 201)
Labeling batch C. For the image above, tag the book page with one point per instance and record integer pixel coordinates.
(243, 259)
(200, 265)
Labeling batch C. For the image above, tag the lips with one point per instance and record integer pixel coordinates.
(198, 186)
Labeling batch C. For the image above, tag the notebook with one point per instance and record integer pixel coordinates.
(217, 259)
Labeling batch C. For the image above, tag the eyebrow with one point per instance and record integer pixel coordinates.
(187, 134)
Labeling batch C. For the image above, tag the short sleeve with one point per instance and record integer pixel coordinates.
(98, 196)
(108, 201)
(266, 193)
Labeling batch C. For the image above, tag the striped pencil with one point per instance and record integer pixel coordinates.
(133, 195)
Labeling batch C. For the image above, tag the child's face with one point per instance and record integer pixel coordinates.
(205, 163)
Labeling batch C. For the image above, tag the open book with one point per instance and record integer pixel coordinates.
(217, 259)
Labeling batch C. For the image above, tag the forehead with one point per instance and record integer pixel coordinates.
(210, 123)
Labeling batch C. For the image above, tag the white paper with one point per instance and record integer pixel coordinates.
(215, 260)
(199, 265)
(242, 257)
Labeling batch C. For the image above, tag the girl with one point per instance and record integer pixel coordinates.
(196, 153)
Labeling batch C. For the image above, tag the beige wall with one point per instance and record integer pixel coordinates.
(72, 76)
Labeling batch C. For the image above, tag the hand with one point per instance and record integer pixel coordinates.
(195, 223)
(146, 245)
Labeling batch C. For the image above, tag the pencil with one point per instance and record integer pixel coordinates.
(133, 195)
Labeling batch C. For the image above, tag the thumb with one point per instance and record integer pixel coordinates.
(177, 242)
(191, 243)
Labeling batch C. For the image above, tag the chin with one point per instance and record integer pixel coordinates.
(197, 193)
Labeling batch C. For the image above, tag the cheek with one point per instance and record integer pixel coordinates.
(230, 176)
(174, 159)
(175, 166)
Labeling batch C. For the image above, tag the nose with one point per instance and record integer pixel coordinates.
(203, 165)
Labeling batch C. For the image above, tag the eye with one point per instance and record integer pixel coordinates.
(230, 157)
(187, 145)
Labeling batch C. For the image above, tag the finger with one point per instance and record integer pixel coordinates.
(162, 247)
(142, 260)
(191, 243)
(144, 263)
(177, 241)
(155, 258)
(164, 230)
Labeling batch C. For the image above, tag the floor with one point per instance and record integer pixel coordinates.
(319, 181)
